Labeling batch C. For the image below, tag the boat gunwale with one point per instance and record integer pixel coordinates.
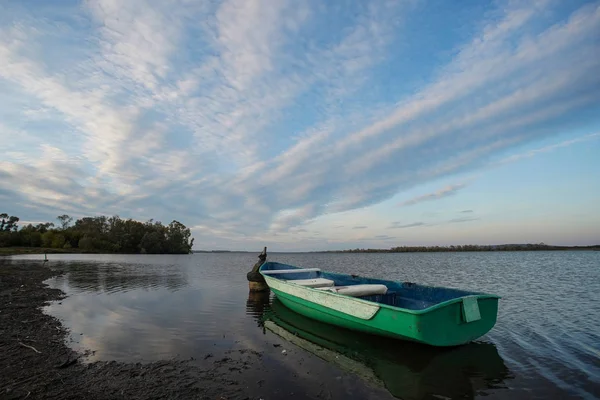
(478, 295)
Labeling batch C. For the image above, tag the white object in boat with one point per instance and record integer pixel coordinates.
(357, 290)
(289, 271)
(313, 283)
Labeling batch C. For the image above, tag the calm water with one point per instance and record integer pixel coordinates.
(546, 343)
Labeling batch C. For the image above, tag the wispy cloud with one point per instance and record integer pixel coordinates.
(399, 225)
(462, 219)
(248, 120)
(546, 149)
(385, 237)
(466, 211)
(439, 194)
(359, 227)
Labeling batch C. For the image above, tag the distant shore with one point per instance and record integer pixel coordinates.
(433, 249)
(467, 248)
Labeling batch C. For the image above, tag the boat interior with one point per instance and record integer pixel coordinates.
(405, 295)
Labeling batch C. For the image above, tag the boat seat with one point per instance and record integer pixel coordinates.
(289, 271)
(313, 283)
(357, 290)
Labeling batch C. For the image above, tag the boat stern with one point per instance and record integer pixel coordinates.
(459, 322)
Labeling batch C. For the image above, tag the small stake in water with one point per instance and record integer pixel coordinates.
(256, 281)
(45, 257)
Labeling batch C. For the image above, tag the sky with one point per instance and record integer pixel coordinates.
(304, 124)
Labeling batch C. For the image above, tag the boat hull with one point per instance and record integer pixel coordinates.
(443, 325)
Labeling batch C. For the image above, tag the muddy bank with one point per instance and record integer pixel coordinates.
(35, 362)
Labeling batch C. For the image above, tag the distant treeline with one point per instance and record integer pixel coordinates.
(98, 234)
(468, 247)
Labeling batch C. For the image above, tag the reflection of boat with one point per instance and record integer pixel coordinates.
(426, 314)
(407, 370)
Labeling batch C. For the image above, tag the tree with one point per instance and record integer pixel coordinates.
(64, 220)
(3, 218)
(35, 239)
(58, 242)
(152, 243)
(8, 224)
(43, 227)
(86, 243)
(12, 224)
(178, 238)
(99, 234)
(47, 239)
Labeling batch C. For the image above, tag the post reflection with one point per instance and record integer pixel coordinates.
(257, 304)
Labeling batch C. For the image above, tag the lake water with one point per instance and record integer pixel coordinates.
(546, 342)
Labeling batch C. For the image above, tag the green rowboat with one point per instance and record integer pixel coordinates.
(431, 315)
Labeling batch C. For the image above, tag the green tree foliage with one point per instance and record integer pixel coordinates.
(152, 243)
(47, 238)
(178, 237)
(58, 242)
(35, 240)
(8, 224)
(99, 234)
(64, 220)
(42, 228)
(86, 243)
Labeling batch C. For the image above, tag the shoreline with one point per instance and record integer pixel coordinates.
(35, 361)
(17, 251)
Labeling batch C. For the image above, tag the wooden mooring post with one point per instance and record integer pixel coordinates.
(256, 282)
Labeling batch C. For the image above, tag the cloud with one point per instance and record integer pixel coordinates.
(439, 194)
(462, 219)
(411, 150)
(546, 149)
(398, 225)
(359, 227)
(247, 120)
(385, 237)
(466, 211)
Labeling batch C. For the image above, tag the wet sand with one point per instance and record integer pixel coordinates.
(36, 363)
